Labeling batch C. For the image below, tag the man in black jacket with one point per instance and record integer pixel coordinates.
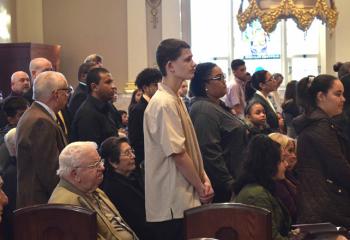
(94, 120)
(147, 81)
(81, 91)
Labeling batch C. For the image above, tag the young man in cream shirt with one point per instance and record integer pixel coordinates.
(175, 179)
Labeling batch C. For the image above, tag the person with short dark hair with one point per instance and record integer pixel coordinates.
(175, 179)
(147, 80)
(323, 153)
(81, 91)
(235, 97)
(13, 107)
(94, 120)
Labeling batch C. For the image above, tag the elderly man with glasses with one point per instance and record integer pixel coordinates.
(81, 172)
(40, 140)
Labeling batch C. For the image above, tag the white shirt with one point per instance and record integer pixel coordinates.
(167, 192)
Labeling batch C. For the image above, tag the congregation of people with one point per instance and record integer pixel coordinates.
(189, 137)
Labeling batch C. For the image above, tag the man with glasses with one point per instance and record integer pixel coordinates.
(81, 172)
(40, 140)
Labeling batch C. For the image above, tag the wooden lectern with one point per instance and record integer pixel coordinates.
(16, 57)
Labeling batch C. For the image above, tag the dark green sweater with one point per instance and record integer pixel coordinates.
(256, 195)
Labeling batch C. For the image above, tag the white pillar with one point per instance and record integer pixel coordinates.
(137, 40)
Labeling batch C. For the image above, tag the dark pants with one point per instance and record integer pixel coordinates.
(168, 230)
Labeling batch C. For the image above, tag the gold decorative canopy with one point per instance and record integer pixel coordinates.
(269, 12)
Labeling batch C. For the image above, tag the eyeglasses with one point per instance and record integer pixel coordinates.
(271, 79)
(220, 77)
(94, 165)
(68, 90)
(128, 153)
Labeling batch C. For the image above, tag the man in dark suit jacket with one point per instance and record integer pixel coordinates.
(94, 120)
(147, 81)
(81, 91)
(40, 140)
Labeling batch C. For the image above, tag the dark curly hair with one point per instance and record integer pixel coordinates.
(260, 165)
(148, 76)
(200, 78)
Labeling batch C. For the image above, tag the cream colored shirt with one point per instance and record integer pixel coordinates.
(168, 130)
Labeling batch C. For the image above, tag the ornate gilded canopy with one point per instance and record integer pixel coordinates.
(269, 12)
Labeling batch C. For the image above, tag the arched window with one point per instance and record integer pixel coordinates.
(216, 37)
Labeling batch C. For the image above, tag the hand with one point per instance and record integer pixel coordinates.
(208, 193)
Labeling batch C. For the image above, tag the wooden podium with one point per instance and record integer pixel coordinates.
(16, 57)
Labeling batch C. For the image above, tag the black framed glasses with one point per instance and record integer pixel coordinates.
(128, 153)
(220, 77)
(68, 90)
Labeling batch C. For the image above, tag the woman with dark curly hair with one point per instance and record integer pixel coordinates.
(257, 183)
(222, 136)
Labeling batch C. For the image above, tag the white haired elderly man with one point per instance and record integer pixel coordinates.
(81, 172)
(40, 140)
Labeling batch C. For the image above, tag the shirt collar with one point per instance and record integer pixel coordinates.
(48, 109)
(147, 98)
(165, 88)
(266, 99)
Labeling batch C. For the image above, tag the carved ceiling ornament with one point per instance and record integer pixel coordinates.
(269, 12)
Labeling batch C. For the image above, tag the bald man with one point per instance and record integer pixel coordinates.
(20, 83)
(39, 65)
(36, 66)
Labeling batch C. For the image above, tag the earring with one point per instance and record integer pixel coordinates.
(206, 89)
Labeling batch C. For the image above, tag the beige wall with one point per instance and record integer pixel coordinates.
(342, 33)
(29, 21)
(83, 27)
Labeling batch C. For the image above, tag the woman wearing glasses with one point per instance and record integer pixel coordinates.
(123, 186)
(222, 136)
(263, 84)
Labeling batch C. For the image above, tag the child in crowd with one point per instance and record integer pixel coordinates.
(124, 123)
(255, 118)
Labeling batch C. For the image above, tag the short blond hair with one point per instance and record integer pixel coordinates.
(282, 139)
